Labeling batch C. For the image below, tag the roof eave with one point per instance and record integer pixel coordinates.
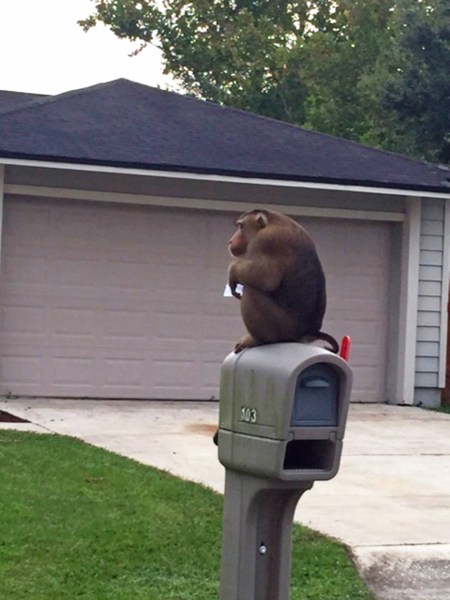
(248, 178)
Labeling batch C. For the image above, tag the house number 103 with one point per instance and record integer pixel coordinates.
(249, 415)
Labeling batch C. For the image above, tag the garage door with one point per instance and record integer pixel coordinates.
(118, 301)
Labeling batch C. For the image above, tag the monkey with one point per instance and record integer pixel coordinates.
(284, 292)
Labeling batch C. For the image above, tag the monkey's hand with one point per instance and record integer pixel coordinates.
(237, 293)
(235, 287)
(233, 280)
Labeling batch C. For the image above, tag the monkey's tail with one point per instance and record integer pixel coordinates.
(326, 337)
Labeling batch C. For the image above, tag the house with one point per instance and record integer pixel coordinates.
(117, 204)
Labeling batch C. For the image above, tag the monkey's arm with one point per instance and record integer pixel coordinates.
(263, 275)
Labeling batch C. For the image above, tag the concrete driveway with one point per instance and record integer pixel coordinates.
(390, 502)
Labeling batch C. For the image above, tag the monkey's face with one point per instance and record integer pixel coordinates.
(248, 226)
(237, 245)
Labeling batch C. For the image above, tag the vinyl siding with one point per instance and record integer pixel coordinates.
(431, 275)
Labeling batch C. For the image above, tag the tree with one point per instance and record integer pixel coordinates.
(348, 67)
(232, 52)
(264, 56)
(339, 57)
(414, 89)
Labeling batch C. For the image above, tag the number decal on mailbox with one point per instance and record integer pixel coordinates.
(249, 415)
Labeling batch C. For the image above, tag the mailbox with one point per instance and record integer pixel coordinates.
(283, 410)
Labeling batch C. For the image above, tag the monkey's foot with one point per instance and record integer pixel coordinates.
(248, 341)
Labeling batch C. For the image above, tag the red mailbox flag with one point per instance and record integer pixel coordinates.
(346, 345)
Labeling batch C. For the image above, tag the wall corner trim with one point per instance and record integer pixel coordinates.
(408, 302)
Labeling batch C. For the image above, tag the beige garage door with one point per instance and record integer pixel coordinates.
(101, 300)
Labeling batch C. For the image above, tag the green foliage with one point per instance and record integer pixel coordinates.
(416, 93)
(232, 52)
(374, 71)
(80, 522)
(445, 408)
(337, 62)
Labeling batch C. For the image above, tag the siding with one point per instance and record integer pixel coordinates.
(431, 275)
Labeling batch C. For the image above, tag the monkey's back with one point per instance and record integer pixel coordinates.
(302, 291)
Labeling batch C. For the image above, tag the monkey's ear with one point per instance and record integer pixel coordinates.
(262, 220)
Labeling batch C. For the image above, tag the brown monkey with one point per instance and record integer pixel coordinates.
(283, 297)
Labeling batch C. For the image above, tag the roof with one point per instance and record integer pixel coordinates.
(131, 125)
(11, 100)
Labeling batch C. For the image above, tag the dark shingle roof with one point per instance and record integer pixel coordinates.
(127, 124)
(12, 100)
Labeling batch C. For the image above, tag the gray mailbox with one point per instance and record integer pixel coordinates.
(283, 410)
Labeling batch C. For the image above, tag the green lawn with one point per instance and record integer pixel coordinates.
(78, 522)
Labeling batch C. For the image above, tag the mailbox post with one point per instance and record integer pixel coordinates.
(283, 411)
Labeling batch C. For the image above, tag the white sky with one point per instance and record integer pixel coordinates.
(43, 50)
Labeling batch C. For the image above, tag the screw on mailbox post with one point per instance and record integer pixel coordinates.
(283, 411)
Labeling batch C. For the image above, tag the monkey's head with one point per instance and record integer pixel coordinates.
(248, 225)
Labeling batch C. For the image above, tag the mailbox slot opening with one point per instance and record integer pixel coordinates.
(316, 397)
(309, 454)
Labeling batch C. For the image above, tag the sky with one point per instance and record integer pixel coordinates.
(44, 51)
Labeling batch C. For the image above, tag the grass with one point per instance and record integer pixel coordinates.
(445, 408)
(78, 522)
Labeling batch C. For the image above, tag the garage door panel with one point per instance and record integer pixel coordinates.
(181, 235)
(21, 369)
(107, 327)
(209, 373)
(356, 285)
(23, 222)
(67, 250)
(72, 373)
(19, 270)
(127, 275)
(369, 306)
(221, 324)
(80, 274)
(177, 379)
(71, 325)
(119, 230)
(175, 321)
(214, 278)
(25, 322)
(73, 223)
(177, 280)
(123, 374)
(125, 326)
(365, 387)
(127, 301)
(106, 373)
